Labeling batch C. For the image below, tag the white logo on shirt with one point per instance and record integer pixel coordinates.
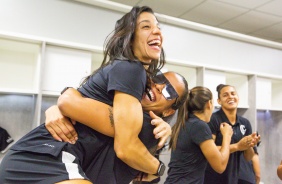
(243, 129)
(49, 145)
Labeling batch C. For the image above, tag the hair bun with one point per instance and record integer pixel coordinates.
(219, 87)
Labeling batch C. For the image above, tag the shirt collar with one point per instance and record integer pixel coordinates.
(224, 117)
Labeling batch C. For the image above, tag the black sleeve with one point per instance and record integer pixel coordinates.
(200, 132)
(128, 77)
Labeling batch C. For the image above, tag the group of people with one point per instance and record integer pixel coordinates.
(110, 128)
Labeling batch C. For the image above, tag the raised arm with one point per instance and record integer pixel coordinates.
(99, 116)
(218, 158)
(128, 117)
(92, 113)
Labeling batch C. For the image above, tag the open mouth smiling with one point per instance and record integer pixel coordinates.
(150, 95)
(155, 43)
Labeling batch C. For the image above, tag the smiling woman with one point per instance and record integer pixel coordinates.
(242, 141)
(132, 53)
(168, 92)
(148, 39)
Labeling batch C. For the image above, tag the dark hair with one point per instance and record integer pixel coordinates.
(197, 99)
(220, 87)
(118, 44)
(181, 100)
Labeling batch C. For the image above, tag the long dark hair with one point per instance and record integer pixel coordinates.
(118, 44)
(197, 99)
(181, 100)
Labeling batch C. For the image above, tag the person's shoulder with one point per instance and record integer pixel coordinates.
(216, 116)
(197, 128)
(219, 111)
(193, 121)
(129, 66)
(202, 125)
(127, 63)
(241, 119)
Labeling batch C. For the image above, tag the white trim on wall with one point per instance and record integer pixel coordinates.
(188, 24)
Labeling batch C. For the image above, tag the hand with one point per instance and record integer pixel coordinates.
(226, 129)
(59, 126)
(256, 138)
(162, 130)
(248, 141)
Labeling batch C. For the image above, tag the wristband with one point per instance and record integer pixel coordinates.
(161, 169)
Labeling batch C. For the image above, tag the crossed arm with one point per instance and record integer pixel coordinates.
(127, 124)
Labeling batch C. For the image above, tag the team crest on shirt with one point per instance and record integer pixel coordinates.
(243, 129)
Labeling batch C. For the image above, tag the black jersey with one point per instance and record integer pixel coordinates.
(246, 172)
(125, 76)
(100, 86)
(107, 168)
(187, 163)
(128, 78)
(241, 128)
(93, 152)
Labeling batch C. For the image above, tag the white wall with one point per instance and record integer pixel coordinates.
(210, 50)
(57, 19)
(81, 23)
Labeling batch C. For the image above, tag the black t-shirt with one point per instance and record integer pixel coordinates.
(241, 128)
(94, 150)
(187, 163)
(125, 76)
(128, 77)
(246, 172)
(107, 168)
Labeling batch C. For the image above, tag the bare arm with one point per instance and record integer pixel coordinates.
(256, 167)
(128, 118)
(232, 148)
(218, 158)
(59, 126)
(95, 114)
(71, 103)
(249, 153)
(252, 140)
(244, 144)
(279, 171)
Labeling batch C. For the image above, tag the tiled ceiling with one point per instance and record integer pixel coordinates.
(258, 18)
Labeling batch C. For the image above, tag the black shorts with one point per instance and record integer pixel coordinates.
(22, 167)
